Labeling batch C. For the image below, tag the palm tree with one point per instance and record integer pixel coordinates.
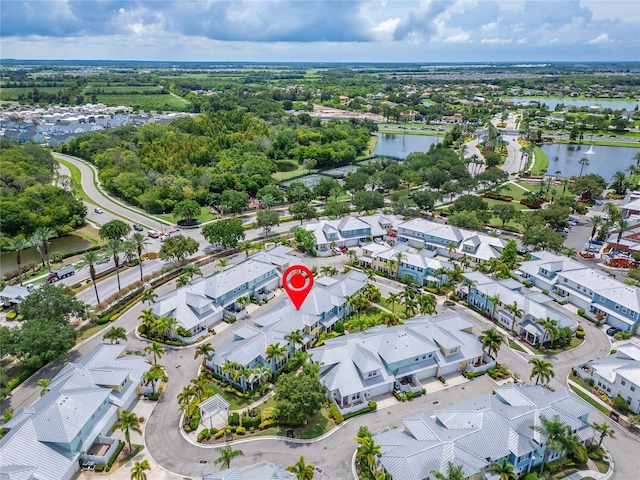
(569, 252)
(595, 223)
(228, 368)
(198, 386)
(494, 300)
(552, 429)
(328, 270)
(223, 262)
(226, 455)
(184, 401)
(427, 302)
(44, 383)
(568, 443)
(115, 333)
(541, 370)
(295, 338)
(166, 326)
(275, 352)
(410, 307)
(147, 318)
(549, 329)
(45, 234)
(128, 422)
(114, 249)
(515, 311)
(90, 258)
(191, 270)
(491, 341)
(503, 469)
(367, 454)
(36, 241)
(301, 470)
(138, 470)
(149, 296)
(393, 298)
(205, 349)
(604, 430)
(453, 473)
(157, 349)
(622, 226)
(181, 281)
(18, 244)
(584, 161)
(139, 242)
(154, 374)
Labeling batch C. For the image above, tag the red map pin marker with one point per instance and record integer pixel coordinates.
(297, 281)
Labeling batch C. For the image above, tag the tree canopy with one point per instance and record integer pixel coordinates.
(298, 397)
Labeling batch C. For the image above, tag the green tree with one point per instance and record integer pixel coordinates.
(301, 470)
(367, 200)
(505, 212)
(44, 384)
(57, 303)
(43, 235)
(227, 454)
(595, 223)
(305, 240)
(128, 422)
(541, 370)
(115, 334)
(298, 397)
(18, 244)
(491, 341)
(549, 329)
(503, 469)
(604, 430)
(275, 353)
(466, 219)
(266, 219)
(226, 233)
(303, 211)
(178, 248)
(333, 208)
(187, 210)
(191, 270)
(551, 430)
(204, 349)
(114, 230)
(232, 201)
(510, 254)
(139, 242)
(148, 296)
(157, 349)
(367, 454)
(138, 470)
(453, 473)
(41, 341)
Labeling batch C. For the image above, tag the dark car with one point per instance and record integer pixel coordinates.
(137, 227)
(611, 331)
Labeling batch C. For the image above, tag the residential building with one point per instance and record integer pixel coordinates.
(509, 298)
(484, 429)
(202, 303)
(401, 261)
(260, 471)
(362, 365)
(351, 231)
(12, 296)
(616, 374)
(449, 241)
(326, 304)
(72, 421)
(630, 205)
(566, 280)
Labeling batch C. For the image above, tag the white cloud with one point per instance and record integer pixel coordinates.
(523, 40)
(386, 28)
(459, 38)
(496, 40)
(489, 27)
(602, 38)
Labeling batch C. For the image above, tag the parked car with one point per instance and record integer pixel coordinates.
(611, 331)
(343, 249)
(137, 228)
(98, 210)
(153, 234)
(337, 251)
(379, 241)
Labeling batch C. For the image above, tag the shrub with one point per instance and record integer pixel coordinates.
(99, 467)
(195, 419)
(580, 327)
(580, 335)
(115, 455)
(620, 403)
(104, 320)
(613, 351)
(369, 408)
(266, 424)
(442, 379)
(203, 435)
(153, 396)
(234, 419)
(269, 413)
(241, 430)
(530, 476)
(339, 327)
(11, 315)
(219, 434)
(335, 413)
(579, 455)
(187, 428)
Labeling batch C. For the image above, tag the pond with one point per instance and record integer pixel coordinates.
(552, 102)
(66, 244)
(604, 161)
(400, 145)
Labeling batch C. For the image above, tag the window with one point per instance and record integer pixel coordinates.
(624, 310)
(617, 307)
(424, 357)
(629, 400)
(633, 388)
(623, 383)
(602, 299)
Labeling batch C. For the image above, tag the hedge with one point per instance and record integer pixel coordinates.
(369, 408)
(335, 413)
(115, 455)
(195, 419)
(234, 419)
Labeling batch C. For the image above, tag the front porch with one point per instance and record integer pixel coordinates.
(408, 383)
(101, 450)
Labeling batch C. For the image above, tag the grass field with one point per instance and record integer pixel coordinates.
(76, 181)
(541, 162)
(145, 102)
(587, 398)
(12, 93)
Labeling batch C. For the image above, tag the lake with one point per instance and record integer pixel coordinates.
(400, 145)
(552, 102)
(66, 244)
(605, 161)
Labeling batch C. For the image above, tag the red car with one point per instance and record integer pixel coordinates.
(153, 234)
(343, 249)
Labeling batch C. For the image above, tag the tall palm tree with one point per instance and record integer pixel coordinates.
(147, 318)
(91, 258)
(274, 353)
(515, 310)
(295, 338)
(301, 470)
(182, 280)
(393, 298)
(491, 341)
(139, 242)
(115, 334)
(541, 370)
(128, 422)
(157, 349)
(44, 383)
(453, 473)
(584, 161)
(503, 469)
(604, 430)
(494, 300)
(198, 386)
(45, 234)
(568, 443)
(622, 226)
(154, 374)
(595, 223)
(149, 296)
(204, 349)
(551, 429)
(166, 326)
(138, 470)
(226, 455)
(410, 307)
(367, 453)
(549, 329)
(114, 249)
(228, 368)
(18, 244)
(184, 401)
(191, 270)
(427, 302)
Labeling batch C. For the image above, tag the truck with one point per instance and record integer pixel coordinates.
(61, 273)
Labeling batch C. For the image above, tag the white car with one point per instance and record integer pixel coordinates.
(98, 210)
(337, 251)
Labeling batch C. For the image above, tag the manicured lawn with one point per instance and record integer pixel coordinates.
(512, 190)
(396, 307)
(581, 382)
(541, 162)
(603, 465)
(515, 346)
(552, 351)
(76, 181)
(87, 332)
(235, 403)
(587, 398)
(318, 425)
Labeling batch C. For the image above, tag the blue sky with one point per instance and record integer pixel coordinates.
(322, 31)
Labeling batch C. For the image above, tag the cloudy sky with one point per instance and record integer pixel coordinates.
(323, 30)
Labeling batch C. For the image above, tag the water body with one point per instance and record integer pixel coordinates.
(66, 244)
(551, 103)
(400, 145)
(604, 161)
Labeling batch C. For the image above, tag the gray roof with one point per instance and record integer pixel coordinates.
(188, 305)
(474, 432)
(15, 293)
(260, 471)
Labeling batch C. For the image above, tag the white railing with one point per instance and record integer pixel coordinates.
(102, 459)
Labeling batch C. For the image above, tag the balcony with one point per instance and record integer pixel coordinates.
(354, 406)
(101, 450)
(408, 384)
